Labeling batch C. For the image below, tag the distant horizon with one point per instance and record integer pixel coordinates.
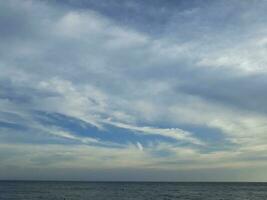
(91, 181)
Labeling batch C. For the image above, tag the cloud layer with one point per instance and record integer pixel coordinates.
(179, 87)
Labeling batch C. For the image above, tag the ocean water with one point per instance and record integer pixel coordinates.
(131, 190)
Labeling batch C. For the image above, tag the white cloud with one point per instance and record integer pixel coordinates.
(175, 133)
(139, 146)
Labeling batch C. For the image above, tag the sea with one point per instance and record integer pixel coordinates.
(56, 190)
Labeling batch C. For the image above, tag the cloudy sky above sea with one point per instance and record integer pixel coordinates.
(148, 90)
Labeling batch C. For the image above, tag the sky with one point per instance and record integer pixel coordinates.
(132, 90)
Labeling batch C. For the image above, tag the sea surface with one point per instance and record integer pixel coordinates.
(31, 190)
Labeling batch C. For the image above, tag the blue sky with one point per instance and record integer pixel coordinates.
(133, 90)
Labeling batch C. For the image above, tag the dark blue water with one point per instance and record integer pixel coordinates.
(135, 191)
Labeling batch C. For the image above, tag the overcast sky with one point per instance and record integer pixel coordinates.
(133, 90)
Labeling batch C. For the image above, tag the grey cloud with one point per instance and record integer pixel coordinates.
(247, 93)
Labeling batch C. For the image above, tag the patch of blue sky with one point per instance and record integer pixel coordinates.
(110, 133)
(10, 125)
(214, 138)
